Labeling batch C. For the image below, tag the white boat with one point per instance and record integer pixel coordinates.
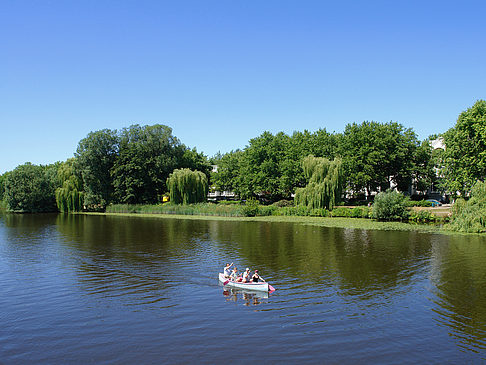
(261, 286)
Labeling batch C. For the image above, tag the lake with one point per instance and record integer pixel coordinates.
(83, 289)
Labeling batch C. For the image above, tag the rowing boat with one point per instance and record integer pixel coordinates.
(261, 286)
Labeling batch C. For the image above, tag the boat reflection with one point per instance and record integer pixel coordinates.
(248, 297)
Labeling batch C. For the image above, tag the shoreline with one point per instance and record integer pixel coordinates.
(332, 222)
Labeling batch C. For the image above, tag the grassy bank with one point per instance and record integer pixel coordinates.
(339, 222)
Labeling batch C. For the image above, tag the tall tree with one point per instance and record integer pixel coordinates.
(228, 172)
(376, 155)
(70, 195)
(464, 159)
(260, 168)
(147, 155)
(325, 183)
(96, 155)
(187, 186)
(30, 188)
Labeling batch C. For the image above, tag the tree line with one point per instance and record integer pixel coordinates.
(133, 166)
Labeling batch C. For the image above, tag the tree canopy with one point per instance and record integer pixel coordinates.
(376, 155)
(30, 188)
(96, 155)
(464, 159)
(146, 157)
(325, 183)
(187, 186)
(70, 195)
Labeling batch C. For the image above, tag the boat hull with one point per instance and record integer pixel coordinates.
(247, 286)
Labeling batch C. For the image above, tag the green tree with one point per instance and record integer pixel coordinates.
(187, 186)
(70, 195)
(425, 166)
(260, 167)
(375, 155)
(2, 185)
(226, 178)
(147, 155)
(96, 155)
(390, 205)
(30, 188)
(325, 183)
(464, 159)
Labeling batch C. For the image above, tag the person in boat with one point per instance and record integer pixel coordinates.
(234, 275)
(246, 276)
(256, 277)
(227, 271)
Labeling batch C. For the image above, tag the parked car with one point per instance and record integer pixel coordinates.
(435, 203)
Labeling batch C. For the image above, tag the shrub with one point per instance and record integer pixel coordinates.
(283, 203)
(390, 205)
(341, 212)
(251, 208)
(470, 216)
(419, 203)
(422, 216)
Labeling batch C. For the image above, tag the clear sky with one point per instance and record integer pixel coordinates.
(222, 72)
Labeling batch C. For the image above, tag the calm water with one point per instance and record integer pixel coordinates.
(93, 289)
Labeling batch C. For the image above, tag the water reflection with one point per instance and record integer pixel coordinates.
(344, 286)
(459, 275)
(246, 296)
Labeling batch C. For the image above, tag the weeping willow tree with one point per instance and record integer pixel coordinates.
(69, 197)
(325, 183)
(187, 186)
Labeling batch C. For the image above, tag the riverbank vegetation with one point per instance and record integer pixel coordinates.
(131, 170)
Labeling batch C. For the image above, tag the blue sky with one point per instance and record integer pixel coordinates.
(221, 72)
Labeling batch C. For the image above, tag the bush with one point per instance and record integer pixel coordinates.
(283, 203)
(422, 216)
(390, 205)
(229, 202)
(341, 212)
(251, 208)
(470, 216)
(419, 203)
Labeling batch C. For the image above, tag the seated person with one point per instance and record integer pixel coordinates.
(256, 278)
(227, 271)
(246, 275)
(234, 275)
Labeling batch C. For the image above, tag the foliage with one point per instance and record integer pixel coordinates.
(390, 205)
(2, 185)
(270, 167)
(376, 155)
(70, 196)
(30, 188)
(356, 212)
(132, 166)
(470, 216)
(325, 183)
(419, 203)
(251, 208)
(146, 157)
(423, 216)
(227, 174)
(284, 203)
(425, 164)
(96, 155)
(187, 186)
(464, 159)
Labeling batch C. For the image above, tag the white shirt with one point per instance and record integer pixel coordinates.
(227, 271)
